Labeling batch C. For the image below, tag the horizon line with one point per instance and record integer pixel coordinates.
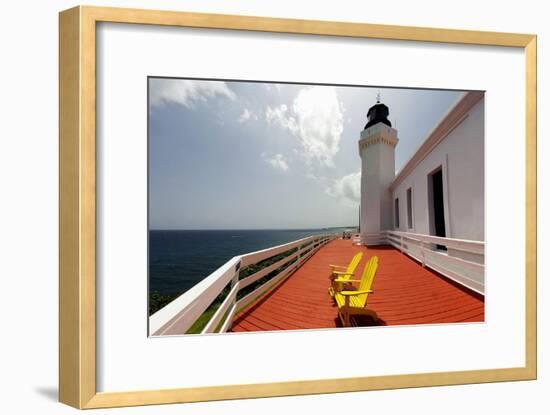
(251, 229)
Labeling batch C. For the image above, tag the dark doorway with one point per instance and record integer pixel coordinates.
(437, 207)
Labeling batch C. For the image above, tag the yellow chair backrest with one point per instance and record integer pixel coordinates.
(354, 263)
(367, 279)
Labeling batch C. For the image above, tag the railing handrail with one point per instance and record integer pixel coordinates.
(185, 301)
(476, 247)
(182, 312)
(257, 256)
(467, 270)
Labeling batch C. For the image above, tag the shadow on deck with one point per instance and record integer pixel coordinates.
(405, 293)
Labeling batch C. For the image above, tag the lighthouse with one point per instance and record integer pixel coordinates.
(377, 151)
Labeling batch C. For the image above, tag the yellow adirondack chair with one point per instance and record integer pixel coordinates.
(353, 301)
(343, 275)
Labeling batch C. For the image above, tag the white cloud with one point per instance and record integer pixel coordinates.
(281, 115)
(186, 92)
(246, 116)
(277, 161)
(347, 188)
(316, 118)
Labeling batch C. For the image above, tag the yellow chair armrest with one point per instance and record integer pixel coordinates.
(337, 266)
(358, 292)
(342, 273)
(342, 280)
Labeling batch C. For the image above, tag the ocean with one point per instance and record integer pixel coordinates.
(179, 259)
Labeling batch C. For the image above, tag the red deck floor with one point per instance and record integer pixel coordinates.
(404, 293)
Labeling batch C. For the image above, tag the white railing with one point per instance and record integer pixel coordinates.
(178, 316)
(461, 260)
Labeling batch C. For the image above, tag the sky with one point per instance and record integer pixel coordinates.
(256, 155)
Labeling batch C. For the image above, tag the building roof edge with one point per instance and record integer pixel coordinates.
(448, 123)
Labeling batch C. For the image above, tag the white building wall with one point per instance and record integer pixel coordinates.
(461, 155)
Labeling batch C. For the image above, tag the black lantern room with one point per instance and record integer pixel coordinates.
(378, 113)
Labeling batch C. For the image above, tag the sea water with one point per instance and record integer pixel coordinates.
(179, 259)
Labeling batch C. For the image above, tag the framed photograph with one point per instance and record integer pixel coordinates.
(305, 190)
(254, 207)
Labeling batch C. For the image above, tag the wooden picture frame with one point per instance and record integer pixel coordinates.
(77, 291)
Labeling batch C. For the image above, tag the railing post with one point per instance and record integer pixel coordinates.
(423, 253)
(235, 278)
(234, 281)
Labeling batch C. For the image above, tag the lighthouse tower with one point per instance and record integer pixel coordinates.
(377, 152)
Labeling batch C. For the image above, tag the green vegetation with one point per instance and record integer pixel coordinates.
(157, 301)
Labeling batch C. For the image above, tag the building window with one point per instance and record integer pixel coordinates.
(396, 213)
(409, 208)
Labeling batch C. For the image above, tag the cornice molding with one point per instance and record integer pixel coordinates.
(377, 139)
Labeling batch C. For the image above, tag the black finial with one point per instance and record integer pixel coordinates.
(378, 113)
